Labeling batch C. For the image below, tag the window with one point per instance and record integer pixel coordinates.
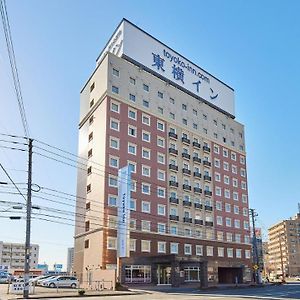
(228, 222)
(146, 188)
(238, 253)
(226, 179)
(87, 225)
(161, 209)
(92, 86)
(172, 100)
(199, 250)
(244, 198)
(114, 124)
(195, 126)
(245, 212)
(114, 161)
(112, 200)
(145, 246)
(219, 205)
(220, 251)
(234, 169)
(146, 153)
(242, 160)
(237, 238)
(173, 229)
(226, 166)
(115, 89)
(145, 103)
(219, 220)
(235, 196)
(88, 188)
(86, 244)
(146, 119)
(230, 252)
(132, 80)
(91, 136)
(209, 251)
(227, 194)
(112, 181)
(195, 112)
(160, 110)
(218, 191)
(247, 239)
(184, 121)
(88, 206)
(90, 153)
(145, 207)
(131, 130)
(172, 116)
(225, 152)
(184, 106)
(161, 227)
(111, 243)
(132, 245)
(187, 249)
(233, 155)
(132, 204)
(131, 148)
(234, 182)
(243, 185)
(160, 126)
(132, 166)
(160, 158)
(146, 87)
(146, 225)
(91, 120)
(132, 113)
(246, 225)
(132, 97)
(161, 247)
(92, 103)
(220, 236)
(237, 224)
(217, 163)
(116, 72)
(217, 177)
(146, 136)
(216, 149)
(174, 248)
(228, 236)
(161, 142)
(114, 143)
(161, 175)
(161, 192)
(243, 172)
(146, 171)
(236, 209)
(204, 117)
(160, 95)
(227, 207)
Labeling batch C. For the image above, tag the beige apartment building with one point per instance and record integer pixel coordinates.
(284, 247)
(173, 123)
(12, 255)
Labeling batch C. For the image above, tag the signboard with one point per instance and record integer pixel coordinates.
(124, 183)
(58, 267)
(132, 42)
(17, 288)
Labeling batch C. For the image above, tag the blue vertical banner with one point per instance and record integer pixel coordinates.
(124, 184)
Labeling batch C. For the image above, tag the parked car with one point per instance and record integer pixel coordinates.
(41, 281)
(62, 281)
(4, 278)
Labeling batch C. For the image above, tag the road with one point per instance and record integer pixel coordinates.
(287, 291)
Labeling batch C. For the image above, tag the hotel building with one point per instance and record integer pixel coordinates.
(173, 123)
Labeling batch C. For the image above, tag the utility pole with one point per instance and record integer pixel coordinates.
(28, 224)
(254, 241)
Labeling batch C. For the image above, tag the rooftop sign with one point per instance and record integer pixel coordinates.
(132, 42)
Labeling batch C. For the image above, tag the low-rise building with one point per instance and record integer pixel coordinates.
(70, 260)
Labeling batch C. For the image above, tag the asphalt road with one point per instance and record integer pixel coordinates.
(287, 291)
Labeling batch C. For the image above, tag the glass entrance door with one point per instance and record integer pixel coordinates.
(164, 274)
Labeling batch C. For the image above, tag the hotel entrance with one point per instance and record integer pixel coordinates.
(163, 275)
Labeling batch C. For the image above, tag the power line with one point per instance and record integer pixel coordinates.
(13, 65)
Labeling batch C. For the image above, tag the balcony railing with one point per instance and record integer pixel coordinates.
(207, 223)
(187, 203)
(174, 218)
(173, 167)
(186, 187)
(187, 220)
(174, 200)
(185, 140)
(173, 183)
(196, 145)
(207, 193)
(208, 207)
(186, 171)
(207, 178)
(197, 159)
(206, 149)
(206, 163)
(198, 205)
(173, 135)
(197, 174)
(198, 222)
(186, 155)
(173, 151)
(197, 190)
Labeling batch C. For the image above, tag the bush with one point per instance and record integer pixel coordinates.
(81, 292)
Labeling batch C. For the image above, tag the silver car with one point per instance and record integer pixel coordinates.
(62, 281)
